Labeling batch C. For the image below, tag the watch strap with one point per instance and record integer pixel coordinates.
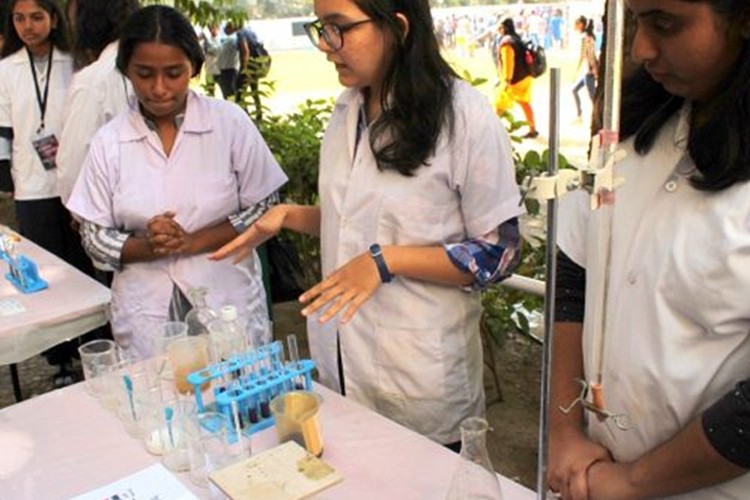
(377, 256)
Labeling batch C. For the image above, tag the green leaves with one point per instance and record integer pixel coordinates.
(295, 139)
(207, 12)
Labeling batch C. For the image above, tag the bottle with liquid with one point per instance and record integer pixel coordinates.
(228, 337)
(474, 479)
(200, 316)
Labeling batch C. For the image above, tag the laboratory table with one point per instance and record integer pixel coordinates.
(65, 443)
(72, 305)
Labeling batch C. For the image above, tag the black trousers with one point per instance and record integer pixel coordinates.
(228, 82)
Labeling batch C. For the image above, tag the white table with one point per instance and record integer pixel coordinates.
(72, 305)
(64, 444)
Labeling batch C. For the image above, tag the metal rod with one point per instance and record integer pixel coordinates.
(16, 382)
(549, 295)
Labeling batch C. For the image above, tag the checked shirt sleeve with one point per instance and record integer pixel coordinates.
(490, 258)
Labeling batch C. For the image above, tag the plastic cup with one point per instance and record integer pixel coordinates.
(296, 415)
(187, 355)
(97, 358)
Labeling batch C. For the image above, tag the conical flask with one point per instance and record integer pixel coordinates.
(200, 316)
(474, 479)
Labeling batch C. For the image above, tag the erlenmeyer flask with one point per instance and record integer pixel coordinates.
(199, 317)
(474, 479)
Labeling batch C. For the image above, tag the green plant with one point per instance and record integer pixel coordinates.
(206, 12)
(505, 310)
(295, 141)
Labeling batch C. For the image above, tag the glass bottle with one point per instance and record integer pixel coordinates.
(200, 316)
(474, 479)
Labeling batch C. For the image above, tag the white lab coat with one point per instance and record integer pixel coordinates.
(98, 93)
(19, 110)
(678, 329)
(219, 165)
(413, 351)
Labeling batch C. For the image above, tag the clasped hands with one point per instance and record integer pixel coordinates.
(580, 469)
(166, 236)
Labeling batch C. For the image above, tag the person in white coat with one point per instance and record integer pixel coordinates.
(418, 207)
(98, 92)
(676, 342)
(169, 181)
(36, 70)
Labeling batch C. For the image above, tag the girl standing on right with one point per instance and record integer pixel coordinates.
(675, 359)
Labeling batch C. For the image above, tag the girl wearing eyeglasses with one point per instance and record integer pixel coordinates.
(418, 207)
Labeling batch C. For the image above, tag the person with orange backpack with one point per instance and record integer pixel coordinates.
(515, 74)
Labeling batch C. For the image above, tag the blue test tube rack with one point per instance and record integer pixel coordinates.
(24, 274)
(251, 380)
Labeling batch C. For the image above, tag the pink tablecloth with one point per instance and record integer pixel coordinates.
(64, 443)
(72, 305)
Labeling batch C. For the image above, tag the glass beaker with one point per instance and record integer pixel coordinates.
(164, 428)
(137, 387)
(187, 355)
(474, 479)
(165, 335)
(207, 445)
(97, 358)
(296, 416)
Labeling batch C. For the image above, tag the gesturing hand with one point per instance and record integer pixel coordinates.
(349, 286)
(259, 232)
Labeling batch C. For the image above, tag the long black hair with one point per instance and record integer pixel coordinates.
(509, 29)
(99, 23)
(588, 25)
(158, 23)
(58, 36)
(417, 94)
(719, 138)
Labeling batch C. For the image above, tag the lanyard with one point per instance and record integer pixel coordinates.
(41, 101)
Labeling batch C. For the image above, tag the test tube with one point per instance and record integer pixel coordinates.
(241, 447)
(252, 410)
(293, 348)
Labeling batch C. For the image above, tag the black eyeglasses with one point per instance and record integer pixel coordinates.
(332, 34)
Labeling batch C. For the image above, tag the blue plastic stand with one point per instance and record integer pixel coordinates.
(250, 381)
(24, 274)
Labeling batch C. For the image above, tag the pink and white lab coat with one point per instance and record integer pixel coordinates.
(219, 165)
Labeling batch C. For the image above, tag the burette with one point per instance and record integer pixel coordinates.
(600, 181)
(604, 158)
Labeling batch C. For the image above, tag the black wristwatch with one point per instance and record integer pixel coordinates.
(377, 255)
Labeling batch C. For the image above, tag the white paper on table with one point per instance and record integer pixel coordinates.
(10, 307)
(152, 483)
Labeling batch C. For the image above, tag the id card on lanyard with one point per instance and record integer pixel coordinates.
(45, 143)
